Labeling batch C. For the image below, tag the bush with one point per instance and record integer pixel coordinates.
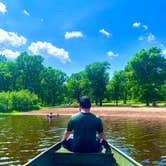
(5, 102)
(22, 100)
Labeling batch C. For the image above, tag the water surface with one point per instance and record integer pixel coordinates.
(23, 137)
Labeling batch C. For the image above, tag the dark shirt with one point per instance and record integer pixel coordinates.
(85, 126)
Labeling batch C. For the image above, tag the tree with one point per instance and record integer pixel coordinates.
(5, 77)
(52, 86)
(98, 78)
(148, 68)
(3, 59)
(77, 85)
(118, 86)
(30, 67)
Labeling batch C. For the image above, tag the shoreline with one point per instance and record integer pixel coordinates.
(121, 112)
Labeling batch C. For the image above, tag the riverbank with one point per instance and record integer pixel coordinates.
(121, 112)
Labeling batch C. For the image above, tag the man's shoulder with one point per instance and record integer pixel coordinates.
(75, 115)
(97, 116)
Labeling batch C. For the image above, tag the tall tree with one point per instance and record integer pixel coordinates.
(5, 77)
(118, 86)
(77, 85)
(52, 86)
(30, 67)
(98, 78)
(148, 68)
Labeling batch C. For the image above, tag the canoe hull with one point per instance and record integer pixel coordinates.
(61, 157)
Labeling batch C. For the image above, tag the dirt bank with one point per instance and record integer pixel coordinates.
(126, 112)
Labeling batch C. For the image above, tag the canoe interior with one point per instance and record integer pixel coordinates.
(58, 156)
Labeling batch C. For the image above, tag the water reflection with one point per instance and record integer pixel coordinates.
(144, 140)
(23, 137)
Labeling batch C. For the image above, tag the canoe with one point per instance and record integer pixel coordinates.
(58, 156)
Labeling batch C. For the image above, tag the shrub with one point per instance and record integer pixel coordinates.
(22, 100)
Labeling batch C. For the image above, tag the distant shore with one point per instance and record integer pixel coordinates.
(121, 112)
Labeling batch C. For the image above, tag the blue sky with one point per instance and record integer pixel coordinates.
(70, 34)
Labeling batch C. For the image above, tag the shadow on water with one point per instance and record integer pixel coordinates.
(23, 137)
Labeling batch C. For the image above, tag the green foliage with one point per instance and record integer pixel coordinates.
(22, 100)
(52, 86)
(29, 69)
(142, 80)
(5, 102)
(118, 87)
(148, 71)
(77, 85)
(98, 78)
(3, 59)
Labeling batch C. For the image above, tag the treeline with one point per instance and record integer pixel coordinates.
(143, 79)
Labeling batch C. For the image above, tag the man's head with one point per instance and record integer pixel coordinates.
(84, 102)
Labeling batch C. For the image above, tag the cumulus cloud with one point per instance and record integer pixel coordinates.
(136, 24)
(43, 48)
(3, 9)
(73, 34)
(112, 54)
(11, 38)
(10, 54)
(151, 37)
(104, 32)
(26, 12)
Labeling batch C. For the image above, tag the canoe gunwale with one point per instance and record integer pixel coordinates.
(53, 151)
(125, 155)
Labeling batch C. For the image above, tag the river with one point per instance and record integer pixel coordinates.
(23, 137)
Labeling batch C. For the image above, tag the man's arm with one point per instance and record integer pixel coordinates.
(102, 136)
(66, 135)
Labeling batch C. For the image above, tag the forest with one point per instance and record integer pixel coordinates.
(26, 84)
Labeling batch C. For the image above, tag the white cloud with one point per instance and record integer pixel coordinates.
(26, 12)
(136, 24)
(145, 27)
(10, 54)
(164, 51)
(73, 34)
(112, 54)
(3, 9)
(11, 38)
(43, 48)
(104, 32)
(148, 37)
(139, 24)
(151, 37)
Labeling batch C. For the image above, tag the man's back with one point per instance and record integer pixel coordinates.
(85, 126)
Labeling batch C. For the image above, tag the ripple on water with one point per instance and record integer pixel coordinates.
(2, 118)
(145, 161)
(10, 163)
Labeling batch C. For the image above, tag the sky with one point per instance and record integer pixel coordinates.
(71, 34)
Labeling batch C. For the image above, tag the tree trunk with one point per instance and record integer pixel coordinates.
(116, 102)
(147, 103)
(96, 102)
(154, 103)
(125, 99)
(100, 102)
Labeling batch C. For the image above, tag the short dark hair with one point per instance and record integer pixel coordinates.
(84, 102)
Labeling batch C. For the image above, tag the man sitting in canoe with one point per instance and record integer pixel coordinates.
(85, 125)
